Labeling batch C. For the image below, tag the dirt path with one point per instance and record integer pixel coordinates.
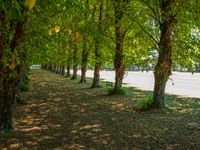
(62, 114)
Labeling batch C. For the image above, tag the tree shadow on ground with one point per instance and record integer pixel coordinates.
(63, 115)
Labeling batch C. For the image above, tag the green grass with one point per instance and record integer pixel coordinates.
(145, 103)
(121, 91)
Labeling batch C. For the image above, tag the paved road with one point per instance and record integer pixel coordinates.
(183, 84)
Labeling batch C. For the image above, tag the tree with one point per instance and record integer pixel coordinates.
(162, 69)
(119, 43)
(85, 49)
(69, 53)
(75, 53)
(97, 51)
(84, 61)
(166, 17)
(12, 59)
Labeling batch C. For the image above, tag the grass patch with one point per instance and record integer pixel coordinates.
(26, 84)
(182, 104)
(26, 87)
(120, 91)
(145, 103)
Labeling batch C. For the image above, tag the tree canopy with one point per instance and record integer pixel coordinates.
(96, 34)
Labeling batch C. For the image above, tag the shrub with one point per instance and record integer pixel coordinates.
(25, 87)
(120, 91)
(21, 101)
(145, 103)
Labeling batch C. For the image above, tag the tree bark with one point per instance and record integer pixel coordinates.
(85, 55)
(162, 69)
(5, 93)
(118, 60)
(119, 56)
(9, 82)
(59, 69)
(70, 53)
(98, 55)
(63, 70)
(54, 68)
(98, 64)
(68, 74)
(75, 62)
(69, 62)
(6, 102)
(51, 67)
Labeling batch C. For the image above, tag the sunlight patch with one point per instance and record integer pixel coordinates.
(89, 127)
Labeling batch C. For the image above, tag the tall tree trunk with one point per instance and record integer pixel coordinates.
(162, 69)
(68, 74)
(75, 62)
(63, 70)
(69, 62)
(74, 75)
(96, 78)
(5, 93)
(118, 60)
(6, 102)
(70, 52)
(51, 68)
(59, 69)
(97, 69)
(9, 82)
(119, 39)
(54, 69)
(98, 55)
(85, 55)
(21, 81)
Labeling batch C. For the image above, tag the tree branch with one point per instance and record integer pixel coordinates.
(143, 29)
(154, 11)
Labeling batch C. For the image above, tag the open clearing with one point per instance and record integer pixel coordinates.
(184, 84)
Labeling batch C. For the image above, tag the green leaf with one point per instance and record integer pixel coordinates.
(17, 6)
(3, 6)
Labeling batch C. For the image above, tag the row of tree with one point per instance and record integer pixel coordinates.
(95, 34)
(122, 33)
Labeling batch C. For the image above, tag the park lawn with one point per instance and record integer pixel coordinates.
(62, 114)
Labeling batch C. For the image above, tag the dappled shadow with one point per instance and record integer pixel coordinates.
(49, 119)
(176, 103)
(63, 115)
(184, 105)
